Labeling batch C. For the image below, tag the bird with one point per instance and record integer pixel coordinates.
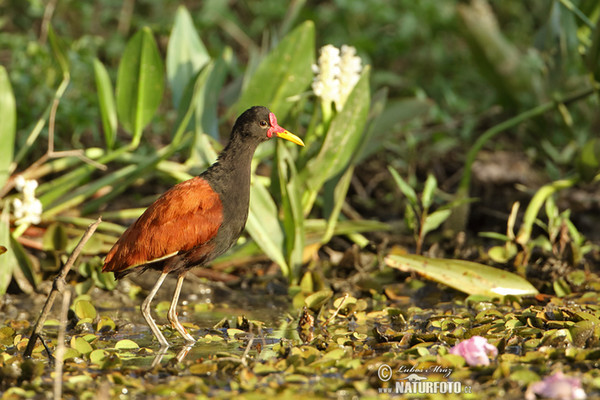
(196, 220)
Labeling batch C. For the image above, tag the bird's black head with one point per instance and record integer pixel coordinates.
(259, 124)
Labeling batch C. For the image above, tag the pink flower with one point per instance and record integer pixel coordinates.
(475, 351)
(556, 386)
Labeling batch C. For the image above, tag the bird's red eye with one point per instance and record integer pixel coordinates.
(263, 123)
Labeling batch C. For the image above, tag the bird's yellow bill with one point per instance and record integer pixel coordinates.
(291, 137)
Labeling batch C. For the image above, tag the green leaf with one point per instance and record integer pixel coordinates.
(535, 205)
(264, 226)
(55, 238)
(428, 191)
(341, 141)
(285, 72)
(81, 345)
(293, 218)
(186, 54)
(592, 58)
(334, 198)
(466, 276)
(58, 49)
(206, 124)
(84, 309)
(106, 101)
(98, 356)
(126, 344)
(405, 188)
(316, 300)
(8, 127)
(434, 220)
(7, 259)
(140, 83)
(410, 217)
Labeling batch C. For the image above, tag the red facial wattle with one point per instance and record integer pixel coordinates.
(275, 128)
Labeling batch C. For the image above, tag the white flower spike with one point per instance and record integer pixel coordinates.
(336, 74)
(28, 210)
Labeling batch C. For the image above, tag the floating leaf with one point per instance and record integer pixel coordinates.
(316, 300)
(466, 276)
(84, 309)
(98, 356)
(81, 345)
(140, 83)
(105, 324)
(126, 344)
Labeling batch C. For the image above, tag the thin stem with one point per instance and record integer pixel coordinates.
(58, 286)
(60, 345)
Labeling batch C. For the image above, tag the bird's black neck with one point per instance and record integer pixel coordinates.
(230, 178)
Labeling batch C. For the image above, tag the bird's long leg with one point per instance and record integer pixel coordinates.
(172, 314)
(146, 311)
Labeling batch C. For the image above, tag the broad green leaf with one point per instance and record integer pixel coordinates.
(264, 226)
(405, 188)
(186, 54)
(285, 72)
(293, 218)
(466, 276)
(7, 259)
(8, 127)
(434, 220)
(106, 101)
(140, 83)
(206, 89)
(341, 141)
(428, 191)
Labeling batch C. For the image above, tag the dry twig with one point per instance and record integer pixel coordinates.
(57, 286)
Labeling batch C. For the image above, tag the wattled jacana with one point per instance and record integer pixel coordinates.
(196, 220)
